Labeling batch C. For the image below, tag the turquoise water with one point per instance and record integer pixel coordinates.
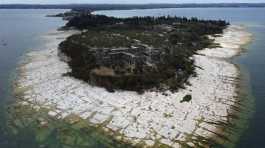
(251, 62)
(21, 30)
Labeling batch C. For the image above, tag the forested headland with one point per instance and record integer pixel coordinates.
(136, 53)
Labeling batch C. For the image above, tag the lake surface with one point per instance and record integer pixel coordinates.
(21, 31)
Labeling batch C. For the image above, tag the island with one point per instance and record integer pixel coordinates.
(134, 82)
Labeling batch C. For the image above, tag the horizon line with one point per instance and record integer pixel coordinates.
(127, 3)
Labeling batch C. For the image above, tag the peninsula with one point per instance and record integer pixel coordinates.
(144, 81)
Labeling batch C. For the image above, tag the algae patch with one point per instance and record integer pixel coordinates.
(71, 132)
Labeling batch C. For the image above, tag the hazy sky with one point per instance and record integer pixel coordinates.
(124, 1)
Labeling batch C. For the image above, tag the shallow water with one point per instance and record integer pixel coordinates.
(21, 30)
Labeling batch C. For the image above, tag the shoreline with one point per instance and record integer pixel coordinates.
(243, 102)
(148, 118)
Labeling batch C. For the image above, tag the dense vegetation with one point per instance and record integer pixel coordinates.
(166, 43)
(104, 22)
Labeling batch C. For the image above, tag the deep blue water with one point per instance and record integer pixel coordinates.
(252, 61)
(21, 30)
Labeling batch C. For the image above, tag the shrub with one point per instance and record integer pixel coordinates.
(186, 98)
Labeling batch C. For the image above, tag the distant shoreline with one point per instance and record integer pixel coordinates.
(97, 7)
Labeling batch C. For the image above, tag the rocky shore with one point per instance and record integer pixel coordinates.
(149, 118)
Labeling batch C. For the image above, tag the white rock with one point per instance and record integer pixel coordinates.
(42, 71)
